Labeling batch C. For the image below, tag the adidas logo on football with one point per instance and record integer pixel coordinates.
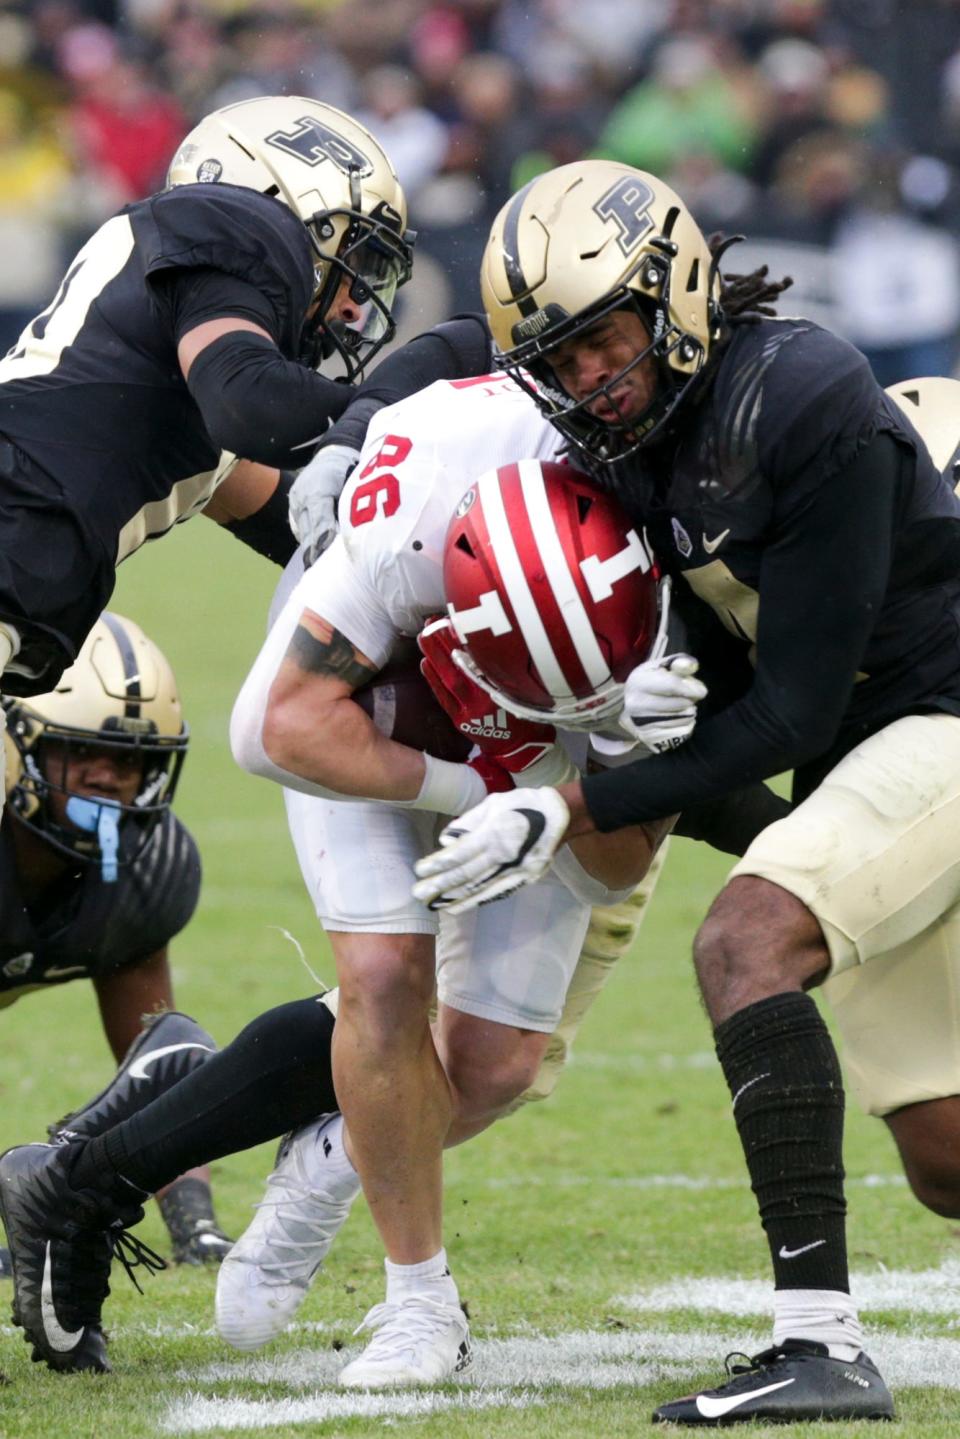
(489, 726)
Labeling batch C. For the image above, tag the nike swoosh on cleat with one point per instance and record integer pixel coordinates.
(786, 1253)
(715, 1408)
(714, 544)
(138, 1069)
(60, 1339)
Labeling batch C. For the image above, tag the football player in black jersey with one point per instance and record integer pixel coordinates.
(816, 550)
(97, 874)
(183, 335)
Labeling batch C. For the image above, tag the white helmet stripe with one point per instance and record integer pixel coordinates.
(515, 584)
(565, 591)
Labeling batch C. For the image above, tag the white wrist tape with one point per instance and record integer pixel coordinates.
(554, 768)
(447, 788)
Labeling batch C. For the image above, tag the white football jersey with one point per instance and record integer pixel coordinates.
(384, 575)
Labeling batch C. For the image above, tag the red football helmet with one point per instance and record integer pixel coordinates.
(552, 593)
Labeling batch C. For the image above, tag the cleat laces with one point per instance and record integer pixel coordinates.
(399, 1328)
(134, 1254)
(305, 1223)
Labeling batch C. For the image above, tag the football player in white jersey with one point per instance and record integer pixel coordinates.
(500, 978)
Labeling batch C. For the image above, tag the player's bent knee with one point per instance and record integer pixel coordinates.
(757, 940)
(928, 1138)
(937, 1186)
(485, 1084)
(387, 975)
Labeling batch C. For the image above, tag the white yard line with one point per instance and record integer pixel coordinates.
(554, 1179)
(523, 1371)
(926, 1291)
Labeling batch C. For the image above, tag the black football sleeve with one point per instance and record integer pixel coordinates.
(259, 405)
(453, 350)
(821, 587)
(732, 822)
(268, 530)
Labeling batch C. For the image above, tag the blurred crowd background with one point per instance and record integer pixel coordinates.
(827, 131)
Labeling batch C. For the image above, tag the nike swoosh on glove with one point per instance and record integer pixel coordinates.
(504, 843)
(660, 701)
(313, 499)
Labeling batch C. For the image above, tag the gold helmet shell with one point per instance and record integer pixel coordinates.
(932, 406)
(120, 693)
(331, 172)
(585, 239)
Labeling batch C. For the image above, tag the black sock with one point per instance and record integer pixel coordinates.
(784, 1076)
(275, 1076)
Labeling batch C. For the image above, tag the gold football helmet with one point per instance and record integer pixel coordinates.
(120, 694)
(932, 406)
(332, 173)
(573, 245)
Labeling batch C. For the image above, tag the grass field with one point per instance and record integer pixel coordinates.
(605, 1242)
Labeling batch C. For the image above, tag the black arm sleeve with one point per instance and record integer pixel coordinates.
(732, 822)
(268, 530)
(259, 405)
(455, 350)
(822, 582)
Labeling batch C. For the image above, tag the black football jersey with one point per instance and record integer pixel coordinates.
(83, 928)
(102, 445)
(765, 509)
(93, 393)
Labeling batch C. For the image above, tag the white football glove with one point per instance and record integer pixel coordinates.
(493, 849)
(660, 701)
(313, 499)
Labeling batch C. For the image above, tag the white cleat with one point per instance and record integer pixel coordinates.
(419, 1341)
(264, 1279)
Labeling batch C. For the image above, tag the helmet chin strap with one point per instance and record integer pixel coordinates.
(100, 817)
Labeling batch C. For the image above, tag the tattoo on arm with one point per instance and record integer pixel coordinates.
(331, 655)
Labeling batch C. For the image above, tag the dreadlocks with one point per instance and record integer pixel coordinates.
(745, 298)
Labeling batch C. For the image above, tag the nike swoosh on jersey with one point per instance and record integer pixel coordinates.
(138, 1069)
(786, 1253)
(714, 544)
(60, 1339)
(715, 1406)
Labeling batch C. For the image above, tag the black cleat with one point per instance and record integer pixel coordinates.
(793, 1381)
(187, 1209)
(169, 1048)
(207, 1244)
(61, 1243)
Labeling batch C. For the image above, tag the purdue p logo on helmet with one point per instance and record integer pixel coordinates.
(331, 172)
(577, 243)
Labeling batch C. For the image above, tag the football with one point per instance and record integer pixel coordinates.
(402, 706)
